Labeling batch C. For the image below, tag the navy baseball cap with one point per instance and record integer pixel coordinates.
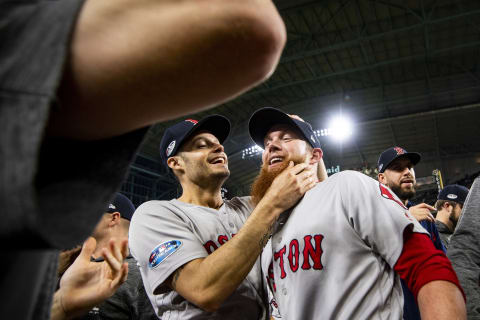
(175, 135)
(123, 205)
(453, 192)
(264, 119)
(393, 153)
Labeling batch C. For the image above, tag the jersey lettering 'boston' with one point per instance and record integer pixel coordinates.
(211, 246)
(311, 251)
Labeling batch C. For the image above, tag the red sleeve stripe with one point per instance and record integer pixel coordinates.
(421, 263)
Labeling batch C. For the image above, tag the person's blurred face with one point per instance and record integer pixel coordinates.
(400, 177)
(102, 226)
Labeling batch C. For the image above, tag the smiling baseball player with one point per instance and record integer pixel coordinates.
(339, 252)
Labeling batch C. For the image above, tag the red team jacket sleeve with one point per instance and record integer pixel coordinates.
(421, 263)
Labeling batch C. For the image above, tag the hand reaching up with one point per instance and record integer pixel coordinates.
(87, 283)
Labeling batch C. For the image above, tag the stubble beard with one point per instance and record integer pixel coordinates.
(218, 177)
(265, 178)
(205, 176)
(404, 195)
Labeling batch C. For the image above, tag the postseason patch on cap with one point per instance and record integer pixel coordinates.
(170, 148)
(452, 196)
(162, 252)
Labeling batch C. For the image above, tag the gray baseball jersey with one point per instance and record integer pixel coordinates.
(164, 235)
(333, 255)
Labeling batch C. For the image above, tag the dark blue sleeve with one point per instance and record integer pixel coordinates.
(434, 236)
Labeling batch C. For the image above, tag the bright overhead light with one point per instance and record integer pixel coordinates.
(340, 128)
(251, 151)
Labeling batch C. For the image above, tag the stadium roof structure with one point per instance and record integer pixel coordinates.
(407, 73)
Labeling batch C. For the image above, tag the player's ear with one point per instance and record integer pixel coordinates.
(317, 155)
(174, 163)
(447, 205)
(381, 178)
(114, 219)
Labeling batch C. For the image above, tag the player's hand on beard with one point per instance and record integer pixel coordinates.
(422, 212)
(290, 185)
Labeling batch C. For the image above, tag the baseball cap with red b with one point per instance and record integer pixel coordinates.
(393, 153)
(175, 135)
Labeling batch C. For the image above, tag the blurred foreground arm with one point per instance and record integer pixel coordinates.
(87, 283)
(135, 63)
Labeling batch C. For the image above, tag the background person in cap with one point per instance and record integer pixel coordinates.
(342, 242)
(396, 170)
(449, 206)
(130, 300)
(198, 254)
(114, 223)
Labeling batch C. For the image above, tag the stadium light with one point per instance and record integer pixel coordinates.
(340, 128)
(251, 151)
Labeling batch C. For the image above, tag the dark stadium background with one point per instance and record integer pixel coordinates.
(406, 72)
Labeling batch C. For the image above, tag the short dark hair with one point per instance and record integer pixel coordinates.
(439, 204)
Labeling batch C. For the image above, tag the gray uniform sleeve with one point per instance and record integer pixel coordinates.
(464, 250)
(376, 214)
(162, 239)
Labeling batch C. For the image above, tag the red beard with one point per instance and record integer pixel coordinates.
(265, 178)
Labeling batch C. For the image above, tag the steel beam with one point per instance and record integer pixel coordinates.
(361, 69)
(356, 42)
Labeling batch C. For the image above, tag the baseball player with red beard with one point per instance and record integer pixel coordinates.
(341, 251)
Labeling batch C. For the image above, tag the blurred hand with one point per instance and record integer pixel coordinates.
(422, 212)
(87, 283)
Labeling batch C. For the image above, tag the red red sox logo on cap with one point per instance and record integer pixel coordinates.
(192, 121)
(399, 150)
